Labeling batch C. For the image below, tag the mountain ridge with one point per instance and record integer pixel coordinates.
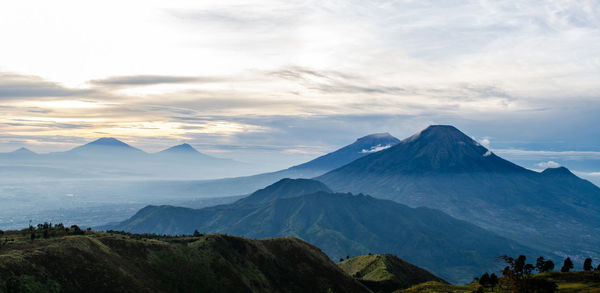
(342, 224)
(443, 168)
(386, 272)
(118, 262)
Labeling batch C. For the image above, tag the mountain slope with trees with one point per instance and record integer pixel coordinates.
(341, 225)
(386, 272)
(105, 262)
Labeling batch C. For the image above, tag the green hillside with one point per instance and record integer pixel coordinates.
(386, 272)
(342, 225)
(105, 262)
(571, 282)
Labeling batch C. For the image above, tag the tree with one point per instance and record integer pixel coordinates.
(484, 280)
(548, 266)
(539, 263)
(76, 230)
(567, 265)
(587, 265)
(518, 276)
(197, 233)
(598, 268)
(488, 281)
(543, 265)
(493, 281)
(1, 232)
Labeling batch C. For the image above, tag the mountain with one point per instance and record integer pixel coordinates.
(341, 225)
(361, 147)
(443, 168)
(105, 146)
(107, 262)
(23, 152)
(180, 149)
(187, 154)
(386, 272)
(285, 188)
(244, 185)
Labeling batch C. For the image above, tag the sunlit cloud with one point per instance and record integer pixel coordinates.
(62, 104)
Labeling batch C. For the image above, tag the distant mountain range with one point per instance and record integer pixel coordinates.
(443, 168)
(35, 186)
(340, 224)
(244, 185)
(111, 158)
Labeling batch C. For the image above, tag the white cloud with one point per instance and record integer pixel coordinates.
(539, 154)
(548, 164)
(485, 142)
(376, 148)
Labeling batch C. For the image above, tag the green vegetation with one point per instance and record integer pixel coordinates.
(567, 265)
(341, 225)
(436, 287)
(566, 283)
(385, 272)
(75, 260)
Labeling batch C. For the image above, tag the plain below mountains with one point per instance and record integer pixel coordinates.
(442, 168)
(341, 225)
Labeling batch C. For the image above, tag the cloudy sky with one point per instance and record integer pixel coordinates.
(280, 82)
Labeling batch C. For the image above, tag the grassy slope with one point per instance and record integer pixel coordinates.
(567, 283)
(103, 262)
(386, 272)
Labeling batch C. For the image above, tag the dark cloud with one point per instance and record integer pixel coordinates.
(333, 81)
(14, 86)
(141, 80)
(242, 17)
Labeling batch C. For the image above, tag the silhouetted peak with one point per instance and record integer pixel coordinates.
(374, 136)
(286, 188)
(374, 142)
(439, 148)
(23, 151)
(297, 184)
(182, 148)
(103, 144)
(439, 133)
(108, 141)
(558, 171)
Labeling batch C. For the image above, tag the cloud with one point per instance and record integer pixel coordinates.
(376, 148)
(16, 86)
(485, 142)
(333, 81)
(537, 154)
(548, 164)
(141, 80)
(290, 72)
